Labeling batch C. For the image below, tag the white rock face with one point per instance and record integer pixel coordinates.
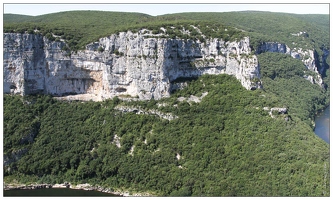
(193, 98)
(116, 140)
(131, 64)
(139, 111)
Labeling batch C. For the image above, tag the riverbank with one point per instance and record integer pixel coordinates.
(85, 186)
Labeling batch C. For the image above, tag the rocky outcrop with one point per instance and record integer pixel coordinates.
(273, 112)
(62, 185)
(27, 138)
(116, 140)
(309, 58)
(26, 187)
(14, 156)
(85, 186)
(127, 64)
(323, 65)
(193, 98)
(125, 109)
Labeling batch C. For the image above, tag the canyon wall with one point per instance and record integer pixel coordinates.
(128, 64)
(309, 58)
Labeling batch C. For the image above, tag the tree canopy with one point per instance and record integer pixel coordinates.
(229, 144)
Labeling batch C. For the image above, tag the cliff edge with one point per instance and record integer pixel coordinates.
(127, 64)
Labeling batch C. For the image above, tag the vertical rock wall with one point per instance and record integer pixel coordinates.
(308, 57)
(130, 64)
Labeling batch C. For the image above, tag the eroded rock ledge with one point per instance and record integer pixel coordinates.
(142, 111)
(136, 65)
(130, 64)
(309, 58)
(85, 186)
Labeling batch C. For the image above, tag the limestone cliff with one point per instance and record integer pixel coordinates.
(307, 56)
(125, 64)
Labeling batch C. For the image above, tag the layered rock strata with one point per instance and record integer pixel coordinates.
(128, 64)
(309, 58)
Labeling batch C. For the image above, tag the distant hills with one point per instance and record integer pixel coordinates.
(82, 27)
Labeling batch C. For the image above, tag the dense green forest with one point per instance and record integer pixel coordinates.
(226, 145)
(79, 30)
(267, 26)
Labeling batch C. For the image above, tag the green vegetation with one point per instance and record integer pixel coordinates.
(79, 34)
(267, 26)
(10, 18)
(228, 144)
(283, 76)
(79, 30)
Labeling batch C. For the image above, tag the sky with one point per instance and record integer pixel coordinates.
(160, 9)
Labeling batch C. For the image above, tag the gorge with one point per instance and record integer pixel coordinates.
(142, 67)
(132, 65)
(188, 104)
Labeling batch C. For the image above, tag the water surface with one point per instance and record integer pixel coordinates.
(323, 125)
(55, 192)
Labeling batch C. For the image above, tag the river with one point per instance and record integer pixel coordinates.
(322, 128)
(56, 192)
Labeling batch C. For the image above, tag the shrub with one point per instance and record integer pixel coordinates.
(100, 49)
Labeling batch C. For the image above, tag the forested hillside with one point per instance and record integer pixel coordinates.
(222, 140)
(228, 144)
(266, 26)
(82, 27)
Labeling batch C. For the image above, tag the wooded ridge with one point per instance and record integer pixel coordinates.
(222, 139)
